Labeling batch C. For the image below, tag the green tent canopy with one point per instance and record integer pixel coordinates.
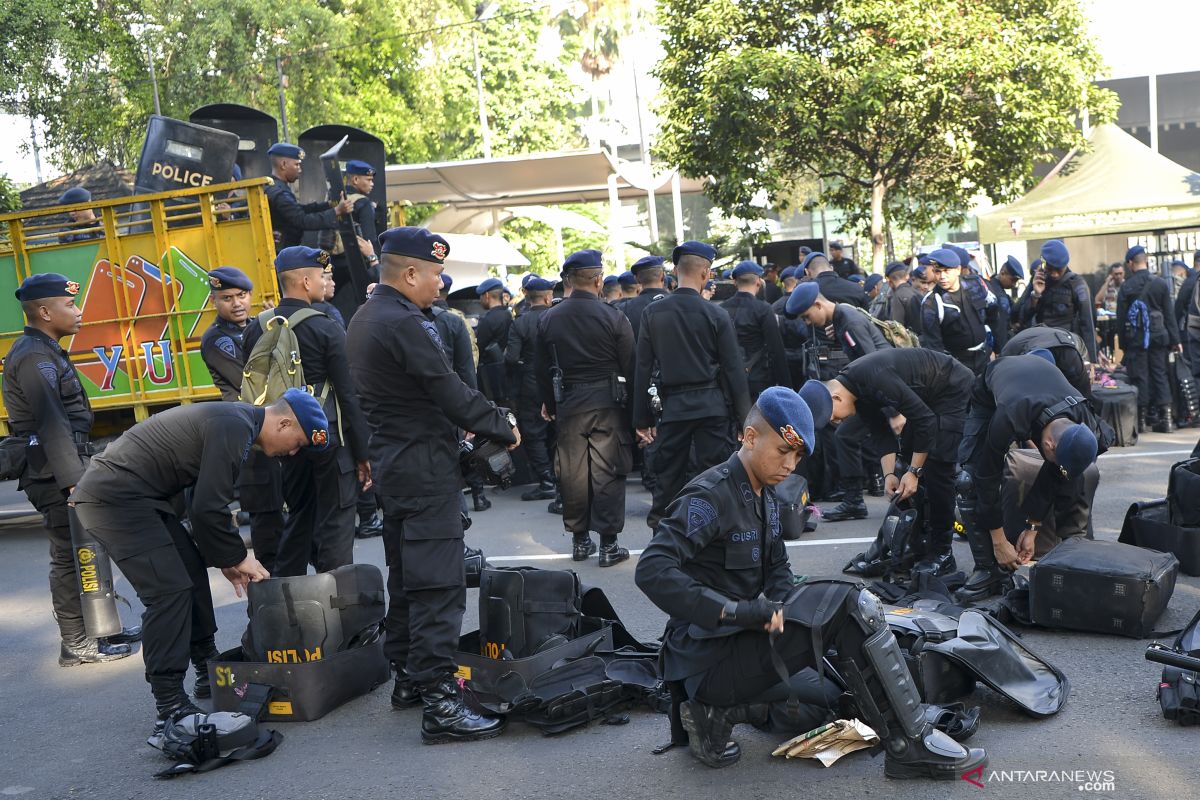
(1117, 186)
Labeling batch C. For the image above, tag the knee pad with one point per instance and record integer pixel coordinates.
(866, 609)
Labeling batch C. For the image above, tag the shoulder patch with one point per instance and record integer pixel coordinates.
(226, 346)
(431, 329)
(773, 514)
(49, 372)
(700, 514)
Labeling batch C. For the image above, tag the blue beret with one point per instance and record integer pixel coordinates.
(836, 244)
(693, 249)
(76, 194)
(490, 285)
(1055, 254)
(945, 258)
(789, 416)
(788, 272)
(1042, 353)
(1130, 254)
(539, 284)
(1178, 262)
(1014, 266)
(418, 243)
(525, 281)
(1076, 450)
(872, 281)
(285, 150)
(356, 167)
(964, 258)
(237, 172)
(447, 281)
(819, 401)
(1196, 257)
(808, 259)
(299, 257)
(311, 417)
(583, 259)
(47, 284)
(229, 278)
(727, 274)
(805, 249)
(710, 284)
(924, 260)
(802, 298)
(856, 278)
(919, 271)
(627, 278)
(609, 280)
(747, 268)
(646, 262)
(894, 266)
(1037, 262)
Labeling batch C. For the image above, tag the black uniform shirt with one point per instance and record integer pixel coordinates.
(771, 292)
(758, 335)
(840, 290)
(718, 542)
(44, 398)
(413, 400)
(1017, 389)
(290, 219)
(904, 306)
(634, 307)
(1067, 304)
(593, 343)
(521, 353)
(456, 341)
(855, 333)
(692, 342)
(221, 349)
(794, 331)
(956, 322)
(491, 334)
(201, 446)
(844, 267)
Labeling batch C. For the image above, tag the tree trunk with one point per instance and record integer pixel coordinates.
(878, 191)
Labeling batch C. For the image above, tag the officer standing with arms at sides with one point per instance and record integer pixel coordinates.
(260, 482)
(415, 405)
(47, 405)
(903, 302)
(1001, 285)
(521, 357)
(491, 334)
(1148, 334)
(955, 315)
(321, 487)
(1020, 399)
(457, 340)
(360, 182)
(522, 305)
(702, 381)
(757, 331)
(771, 290)
(125, 500)
(794, 332)
(1059, 298)
(718, 567)
(857, 336)
(584, 370)
(842, 266)
(289, 218)
(649, 272)
(84, 224)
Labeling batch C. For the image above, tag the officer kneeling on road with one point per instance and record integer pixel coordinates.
(717, 565)
(124, 500)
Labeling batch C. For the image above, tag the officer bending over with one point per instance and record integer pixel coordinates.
(125, 497)
(717, 565)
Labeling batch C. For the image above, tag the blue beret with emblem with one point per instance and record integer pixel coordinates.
(490, 285)
(802, 298)
(705, 251)
(646, 262)
(46, 284)
(447, 281)
(300, 257)
(816, 395)
(1014, 267)
(964, 258)
(789, 416)
(229, 278)
(419, 243)
(525, 281)
(856, 278)
(747, 268)
(1055, 254)
(285, 150)
(872, 281)
(356, 167)
(710, 285)
(1076, 449)
(627, 278)
(76, 194)
(945, 258)
(583, 259)
(1130, 254)
(311, 417)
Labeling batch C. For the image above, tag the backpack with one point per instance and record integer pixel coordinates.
(1141, 322)
(896, 334)
(273, 366)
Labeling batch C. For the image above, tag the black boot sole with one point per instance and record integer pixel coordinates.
(614, 560)
(936, 772)
(447, 738)
(75, 662)
(845, 516)
(404, 705)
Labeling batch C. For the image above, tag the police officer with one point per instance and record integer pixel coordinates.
(1059, 298)
(757, 331)
(289, 218)
(876, 292)
(1019, 399)
(491, 334)
(360, 182)
(857, 335)
(521, 357)
(456, 336)
(794, 332)
(260, 483)
(842, 266)
(718, 567)
(611, 289)
(321, 488)
(47, 405)
(415, 405)
(1068, 350)
(904, 302)
(955, 314)
(629, 286)
(702, 383)
(84, 225)
(916, 398)
(125, 500)
(817, 267)
(1001, 285)
(771, 291)
(584, 370)
(650, 273)
(1145, 299)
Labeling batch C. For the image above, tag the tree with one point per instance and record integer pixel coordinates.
(10, 196)
(904, 109)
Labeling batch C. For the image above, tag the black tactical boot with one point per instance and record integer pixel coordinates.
(474, 563)
(556, 506)
(543, 491)
(937, 560)
(447, 717)
(203, 653)
(82, 650)
(709, 728)
(405, 693)
(851, 507)
(1166, 420)
(612, 553)
(876, 487)
(582, 548)
(479, 501)
(988, 578)
(126, 636)
(370, 527)
(1143, 425)
(171, 702)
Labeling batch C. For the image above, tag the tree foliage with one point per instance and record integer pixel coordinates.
(903, 109)
(10, 196)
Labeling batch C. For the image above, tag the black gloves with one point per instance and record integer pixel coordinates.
(751, 614)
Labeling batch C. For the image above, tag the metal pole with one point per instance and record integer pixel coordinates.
(282, 97)
(484, 133)
(37, 154)
(153, 80)
(676, 207)
(1153, 87)
(651, 207)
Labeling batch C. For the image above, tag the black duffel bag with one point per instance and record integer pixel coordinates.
(1183, 493)
(524, 609)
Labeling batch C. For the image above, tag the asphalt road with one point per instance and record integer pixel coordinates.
(80, 732)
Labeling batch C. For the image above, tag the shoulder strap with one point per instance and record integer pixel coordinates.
(1058, 408)
(305, 314)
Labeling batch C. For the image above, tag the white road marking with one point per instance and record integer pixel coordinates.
(1150, 454)
(563, 556)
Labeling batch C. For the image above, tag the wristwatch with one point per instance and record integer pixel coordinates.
(512, 419)
(918, 471)
(1033, 526)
